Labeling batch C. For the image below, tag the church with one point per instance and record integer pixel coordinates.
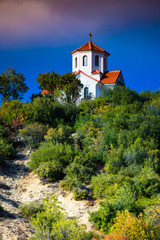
(89, 63)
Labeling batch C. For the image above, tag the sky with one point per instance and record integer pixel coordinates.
(37, 36)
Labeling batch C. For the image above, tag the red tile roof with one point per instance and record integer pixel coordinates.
(90, 46)
(96, 72)
(47, 92)
(110, 77)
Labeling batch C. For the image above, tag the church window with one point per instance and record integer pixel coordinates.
(86, 92)
(85, 60)
(75, 62)
(97, 60)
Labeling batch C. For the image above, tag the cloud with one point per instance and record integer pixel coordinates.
(44, 21)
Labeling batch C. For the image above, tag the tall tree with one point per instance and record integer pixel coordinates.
(66, 87)
(12, 85)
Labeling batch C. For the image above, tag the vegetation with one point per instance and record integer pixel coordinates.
(50, 160)
(33, 134)
(107, 149)
(66, 87)
(51, 223)
(12, 85)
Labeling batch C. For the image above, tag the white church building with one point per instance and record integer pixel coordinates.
(89, 63)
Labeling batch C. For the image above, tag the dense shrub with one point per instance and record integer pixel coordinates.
(43, 221)
(52, 171)
(114, 160)
(87, 107)
(80, 193)
(69, 230)
(6, 151)
(152, 215)
(124, 198)
(147, 183)
(104, 185)
(103, 217)
(69, 183)
(48, 112)
(121, 95)
(60, 135)
(80, 169)
(50, 160)
(33, 134)
(143, 203)
(31, 209)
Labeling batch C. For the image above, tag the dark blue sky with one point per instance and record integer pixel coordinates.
(38, 36)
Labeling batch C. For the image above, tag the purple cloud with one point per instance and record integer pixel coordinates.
(45, 21)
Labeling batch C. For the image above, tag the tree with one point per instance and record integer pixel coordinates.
(12, 85)
(66, 87)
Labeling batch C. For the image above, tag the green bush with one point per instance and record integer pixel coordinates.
(50, 160)
(68, 230)
(124, 198)
(33, 134)
(121, 95)
(69, 183)
(104, 184)
(5, 134)
(80, 193)
(88, 107)
(6, 151)
(135, 155)
(130, 171)
(144, 203)
(52, 171)
(43, 221)
(78, 171)
(114, 160)
(147, 183)
(31, 209)
(60, 135)
(110, 135)
(51, 113)
(103, 217)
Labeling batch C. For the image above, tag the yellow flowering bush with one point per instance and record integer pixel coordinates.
(131, 227)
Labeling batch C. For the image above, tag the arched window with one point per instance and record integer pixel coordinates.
(75, 62)
(86, 92)
(85, 60)
(97, 60)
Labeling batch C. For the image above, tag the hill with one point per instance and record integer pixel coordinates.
(105, 150)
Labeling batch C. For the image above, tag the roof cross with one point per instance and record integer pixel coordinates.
(90, 35)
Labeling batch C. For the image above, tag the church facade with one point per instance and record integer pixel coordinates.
(89, 63)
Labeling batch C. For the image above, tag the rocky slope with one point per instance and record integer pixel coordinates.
(19, 185)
